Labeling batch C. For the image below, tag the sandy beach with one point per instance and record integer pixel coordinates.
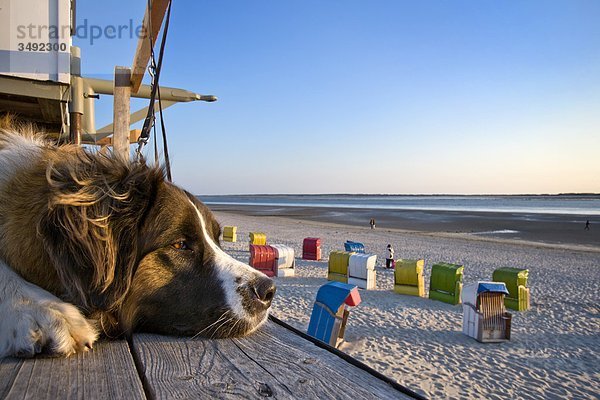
(554, 349)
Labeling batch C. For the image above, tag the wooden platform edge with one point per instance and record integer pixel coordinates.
(346, 357)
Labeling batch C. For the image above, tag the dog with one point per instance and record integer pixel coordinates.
(92, 244)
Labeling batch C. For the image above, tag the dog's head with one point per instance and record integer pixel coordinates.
(185, 283)
(142, 254)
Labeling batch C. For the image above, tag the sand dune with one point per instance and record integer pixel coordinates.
(555, 347)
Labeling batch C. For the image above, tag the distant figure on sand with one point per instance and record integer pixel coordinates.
(587, 225)
(372, 223)
(389, 260)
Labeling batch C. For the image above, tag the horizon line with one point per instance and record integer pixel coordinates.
(582, 194)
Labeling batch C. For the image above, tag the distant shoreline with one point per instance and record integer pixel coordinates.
(541, 228)
(564, 195)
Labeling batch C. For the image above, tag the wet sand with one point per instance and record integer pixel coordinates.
(541, 228)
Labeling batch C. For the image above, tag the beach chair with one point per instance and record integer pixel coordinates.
(262, 258)
(361, 270)
(338, 266)
(331, 310)
(311, 249)
(484, 315)
(258, 238)
(285, 263)
(408, 277)
(516, 282)
(354, 247)
(446, 282)
(230, 233)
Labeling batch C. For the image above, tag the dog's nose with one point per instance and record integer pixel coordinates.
(264, 289)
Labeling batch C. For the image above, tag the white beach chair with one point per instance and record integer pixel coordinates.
(361, 270)
(285, 261)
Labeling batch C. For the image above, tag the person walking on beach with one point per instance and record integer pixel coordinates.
(372, 223)
(587, 225)
(389, 260)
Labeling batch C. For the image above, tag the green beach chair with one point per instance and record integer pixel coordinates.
(516, 282)
(408, 277)
(446, 282)
(338, 266)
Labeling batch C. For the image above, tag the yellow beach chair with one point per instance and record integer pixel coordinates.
(408, 277)
(338, 266)
(258, 238)
(230, 233)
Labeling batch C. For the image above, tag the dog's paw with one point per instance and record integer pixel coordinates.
(51, 327)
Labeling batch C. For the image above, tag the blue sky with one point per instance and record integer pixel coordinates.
(374, 96)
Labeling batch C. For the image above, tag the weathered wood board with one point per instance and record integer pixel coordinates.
(273, 362)
(107, 372)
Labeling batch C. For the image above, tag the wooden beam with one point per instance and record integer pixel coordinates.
(134, 135)
(150, 28)
(135, 117)
(121, 117)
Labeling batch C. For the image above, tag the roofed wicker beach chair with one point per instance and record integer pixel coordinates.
(258, 238)
(408, 277)
(361, 270)
(446, 282)
(311, 249)
(484, 315)
(516, 282)
(330, 312)
(285, 262)
(230, 233)
(337, 267)
(354, 247)
(264, 259)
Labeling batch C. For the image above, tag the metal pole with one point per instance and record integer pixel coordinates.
(102, 86)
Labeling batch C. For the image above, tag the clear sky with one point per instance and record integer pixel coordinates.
(373, 96)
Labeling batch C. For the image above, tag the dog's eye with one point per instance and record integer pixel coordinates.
(180, 245)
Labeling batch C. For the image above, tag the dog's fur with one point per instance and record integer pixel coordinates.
(91, 243)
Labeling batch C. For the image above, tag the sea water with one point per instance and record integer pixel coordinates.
(587, 205)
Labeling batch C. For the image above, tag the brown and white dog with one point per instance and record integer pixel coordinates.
(91, 244)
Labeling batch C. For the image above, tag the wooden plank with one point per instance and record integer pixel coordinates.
(107, 372)
(135, 117)
(142, 52)
(273, 362)
(121, 120)
(134, 135)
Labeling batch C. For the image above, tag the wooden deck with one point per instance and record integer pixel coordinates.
(272, 363)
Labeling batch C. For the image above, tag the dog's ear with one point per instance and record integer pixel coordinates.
(97, 203)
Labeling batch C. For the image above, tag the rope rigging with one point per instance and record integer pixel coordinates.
(154, 71)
